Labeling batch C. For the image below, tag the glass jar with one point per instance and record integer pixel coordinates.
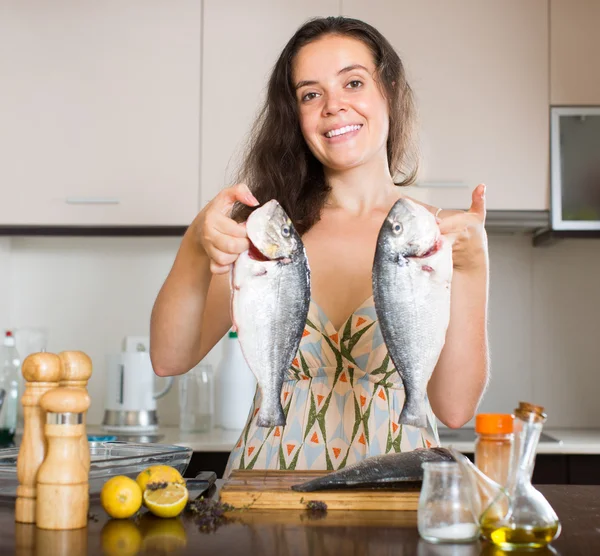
(493, 445)
(196, 399)
(445, 513)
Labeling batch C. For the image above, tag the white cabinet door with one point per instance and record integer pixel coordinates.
(575, 52)
(480, 74)
(242, 41)
(99, 112)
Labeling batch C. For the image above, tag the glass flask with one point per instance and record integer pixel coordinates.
(518, 516)
(445, 514)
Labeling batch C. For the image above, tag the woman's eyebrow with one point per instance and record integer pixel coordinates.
(347, 69)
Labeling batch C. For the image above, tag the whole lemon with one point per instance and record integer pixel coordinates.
(159, 474)
(121, 497)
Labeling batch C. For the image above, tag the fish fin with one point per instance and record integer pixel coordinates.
(411, 418)
(271, 417)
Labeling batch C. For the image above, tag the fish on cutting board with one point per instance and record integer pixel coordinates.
(270, 285)
(387, 471)
(412, 272)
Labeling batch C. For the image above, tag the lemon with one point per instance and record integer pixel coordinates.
(159, 474)
(120, 537)
(168, 501)
(121, 497)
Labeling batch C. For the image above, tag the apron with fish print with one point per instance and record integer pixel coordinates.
(342, 398)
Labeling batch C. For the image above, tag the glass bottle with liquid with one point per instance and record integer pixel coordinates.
(10, 369)
(530, 521)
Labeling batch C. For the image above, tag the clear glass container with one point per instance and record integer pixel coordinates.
(530, 521)
(445, 512)
(196, 399)
(107, 460)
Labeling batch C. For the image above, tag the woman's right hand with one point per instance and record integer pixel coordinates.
(221, 237)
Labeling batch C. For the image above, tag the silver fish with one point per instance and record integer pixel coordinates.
(387, 471)
(412, 272)
(270, 285)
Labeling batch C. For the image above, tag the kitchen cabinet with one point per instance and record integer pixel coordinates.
(241, 43)
(100, 112)
(574, 52)
(479, 71)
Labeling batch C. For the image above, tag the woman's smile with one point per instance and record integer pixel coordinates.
(343, 133)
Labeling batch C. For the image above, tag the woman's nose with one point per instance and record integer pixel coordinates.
(334, 104)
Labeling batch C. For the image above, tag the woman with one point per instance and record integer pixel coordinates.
(334, 133)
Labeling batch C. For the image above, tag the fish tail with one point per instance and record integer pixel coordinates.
(412, 415)
(271, 416)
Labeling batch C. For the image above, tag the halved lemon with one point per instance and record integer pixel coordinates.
(167, 501)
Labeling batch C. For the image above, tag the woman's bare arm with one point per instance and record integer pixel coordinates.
(462, 372)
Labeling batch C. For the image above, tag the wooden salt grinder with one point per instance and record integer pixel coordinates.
(41, 372)
(76, 371)
(62, 481)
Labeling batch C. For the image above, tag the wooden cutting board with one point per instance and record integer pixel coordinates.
(260, 489)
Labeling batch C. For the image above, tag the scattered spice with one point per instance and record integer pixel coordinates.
(316, 506)
(209, 514)
(156, 486)
(92, 517)
(316, 509)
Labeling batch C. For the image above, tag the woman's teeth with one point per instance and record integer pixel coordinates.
(342, 130)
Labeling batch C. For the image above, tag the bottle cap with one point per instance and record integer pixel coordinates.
(233, 334)
(494, 423)
(9, 339)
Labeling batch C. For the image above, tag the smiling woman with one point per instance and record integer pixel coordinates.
(332, 144)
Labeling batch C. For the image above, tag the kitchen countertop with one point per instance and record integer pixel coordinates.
(277, 532)
(570, 441)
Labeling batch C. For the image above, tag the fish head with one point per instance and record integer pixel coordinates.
(271, 233)
(410, 230)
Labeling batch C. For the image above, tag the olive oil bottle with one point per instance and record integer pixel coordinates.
(530, 521)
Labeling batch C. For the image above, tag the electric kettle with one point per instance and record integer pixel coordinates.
(130, 397)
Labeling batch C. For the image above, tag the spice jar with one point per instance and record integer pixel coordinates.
(493, 445)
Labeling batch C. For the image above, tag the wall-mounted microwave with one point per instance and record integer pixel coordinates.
(575, 168)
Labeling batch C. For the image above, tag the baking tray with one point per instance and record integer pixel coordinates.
(107, 460)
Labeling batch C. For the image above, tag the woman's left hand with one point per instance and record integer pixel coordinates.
(466, 231)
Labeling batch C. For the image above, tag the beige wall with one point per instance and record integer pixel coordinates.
(544, 304)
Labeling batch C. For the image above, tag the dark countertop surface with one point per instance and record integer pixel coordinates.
(283, 533)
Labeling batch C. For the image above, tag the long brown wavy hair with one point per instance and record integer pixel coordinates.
(278, 163)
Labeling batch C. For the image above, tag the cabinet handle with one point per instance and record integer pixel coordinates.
(92, 201)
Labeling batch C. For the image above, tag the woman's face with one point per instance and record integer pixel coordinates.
(343, 113)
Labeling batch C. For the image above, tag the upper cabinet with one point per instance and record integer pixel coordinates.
(100, 112)
(575, 52)
(480, 75)
(242, 41)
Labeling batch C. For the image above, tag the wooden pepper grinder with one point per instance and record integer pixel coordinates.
(62, 480)
(41, 372)
(76, 371)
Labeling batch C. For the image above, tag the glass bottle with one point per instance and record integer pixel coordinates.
(530, 521)
(10, 369)
(493, 445)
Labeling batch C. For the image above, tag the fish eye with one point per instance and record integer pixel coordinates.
(285, 231)
(397, 227)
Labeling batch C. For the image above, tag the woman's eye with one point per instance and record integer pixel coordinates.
(309, 96)
(285, 231)
(397, 227)
(354, 84)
